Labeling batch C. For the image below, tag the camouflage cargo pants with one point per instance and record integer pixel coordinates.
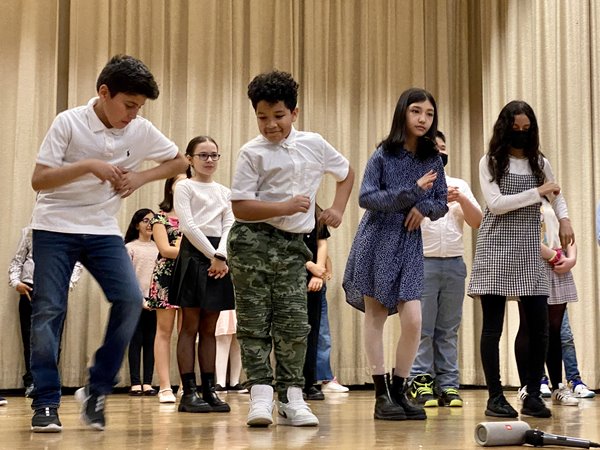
(269, 275)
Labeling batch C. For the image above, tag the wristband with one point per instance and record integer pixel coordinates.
(220, 257)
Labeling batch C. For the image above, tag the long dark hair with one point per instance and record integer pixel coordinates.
(189, 151)
(132, 232)
(166, 204)
(498, 152)
(397, 137)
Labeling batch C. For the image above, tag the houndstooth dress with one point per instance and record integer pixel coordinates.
(507, 257)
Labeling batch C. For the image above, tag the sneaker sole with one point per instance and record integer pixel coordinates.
(259, 421)
(433, 403)
(81, 398)
(308, 422)
(491, 413)
(390, 417)
(52, 428)
(538, 414)
(455, 404)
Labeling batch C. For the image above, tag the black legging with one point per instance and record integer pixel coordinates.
(554, 354)
(143, 338)
(202, 322)
(535, 309)
(314, 320)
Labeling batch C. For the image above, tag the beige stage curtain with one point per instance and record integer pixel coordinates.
(352, 59)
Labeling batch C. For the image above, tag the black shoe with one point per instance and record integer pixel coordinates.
(45, 420)
(498, 406)
(385, 407)
(237, 388)
(219, 388)
(534, 406)
(210, 396)
(192, 403)
(450, 397)
(3, 401)
(421, 391)
(150, 392)
(92, 408)
(400, 396)
(312, 393)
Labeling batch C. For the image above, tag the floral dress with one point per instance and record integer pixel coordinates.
(158, 297)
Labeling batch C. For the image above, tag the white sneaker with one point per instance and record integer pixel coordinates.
(522, 394)
(296, 412)
(564, 396)
(545, 390)
(261, 406)
(166, 396)
(581, 390)
(333, 387)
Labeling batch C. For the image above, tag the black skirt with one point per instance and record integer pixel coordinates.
(191, 287)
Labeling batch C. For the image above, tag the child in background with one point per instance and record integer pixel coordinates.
(143, 252)
(201, 285)
(228, 351)
(403, 183)
(273, 198)
(167, 236)
(20, 277)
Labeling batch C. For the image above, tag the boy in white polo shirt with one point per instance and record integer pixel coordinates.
(273, 198)
(443, 293)
(87, 162)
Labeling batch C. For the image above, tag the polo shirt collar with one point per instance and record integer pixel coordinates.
(94, 122)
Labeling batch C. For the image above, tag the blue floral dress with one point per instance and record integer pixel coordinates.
(158, 297)
(386, 261)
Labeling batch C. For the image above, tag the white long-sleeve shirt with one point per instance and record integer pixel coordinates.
(501, 204)
(204, 209)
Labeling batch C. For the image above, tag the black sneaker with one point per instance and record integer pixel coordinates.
(312, 393)
(534, 406)
(29, 391)
(421, 391)
(92, 408)
(498, 406)
(45, 420)
(450, 397)
(219, 388)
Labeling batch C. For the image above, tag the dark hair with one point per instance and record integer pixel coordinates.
(273, 87)
(132, 232)
(498, 152)
(124, 73)
(439, 134)
(395, 141)
(189, 151)
(166, 204)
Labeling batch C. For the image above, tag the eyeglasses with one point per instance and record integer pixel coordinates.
(205, 156)
(146, 220)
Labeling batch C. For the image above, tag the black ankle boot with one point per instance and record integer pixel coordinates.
(399, 388)
(209, 395)
(190, 400)
(385, 407)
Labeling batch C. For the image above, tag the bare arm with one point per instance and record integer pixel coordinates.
(471, 212)
(45, 177)
(129, 182)
(260, 210)
(159, 231)
(333, 216)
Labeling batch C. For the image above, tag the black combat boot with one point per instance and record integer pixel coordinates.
(210, 396)
(190, 400)
(385, 407)
(399, 389)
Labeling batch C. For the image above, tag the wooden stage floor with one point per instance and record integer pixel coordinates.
(346, 423)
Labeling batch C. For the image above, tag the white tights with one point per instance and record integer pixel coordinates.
(228, 350)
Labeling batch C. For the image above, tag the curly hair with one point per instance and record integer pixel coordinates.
(273, 87)
(498, 153)
(124, 73)
(132, 232)
(396, 139)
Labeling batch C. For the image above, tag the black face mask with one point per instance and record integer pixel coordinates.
(519, 139)
(444, 157)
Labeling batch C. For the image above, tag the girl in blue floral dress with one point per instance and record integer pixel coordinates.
(403, 183)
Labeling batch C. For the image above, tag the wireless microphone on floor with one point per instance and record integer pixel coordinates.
(538, 438)
(489, 434)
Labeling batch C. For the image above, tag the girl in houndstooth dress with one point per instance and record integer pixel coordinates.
(514, 178)
(403, 182)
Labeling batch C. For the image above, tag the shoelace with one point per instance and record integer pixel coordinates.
(451, 391)
(424, 390)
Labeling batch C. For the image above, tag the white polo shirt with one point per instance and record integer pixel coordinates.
(443, 238)
(277, 172)
(86, 205)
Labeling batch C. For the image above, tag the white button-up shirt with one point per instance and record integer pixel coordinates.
(444, 237)
(278, 172)
(87, 205)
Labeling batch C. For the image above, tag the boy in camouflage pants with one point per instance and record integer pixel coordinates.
(273, 198)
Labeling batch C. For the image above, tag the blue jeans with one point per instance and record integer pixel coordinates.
(568, 349)
(441, 307)
(324, 347)
(105, 257)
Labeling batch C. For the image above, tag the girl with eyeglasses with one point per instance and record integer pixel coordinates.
(201, 285)
(143, 252)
